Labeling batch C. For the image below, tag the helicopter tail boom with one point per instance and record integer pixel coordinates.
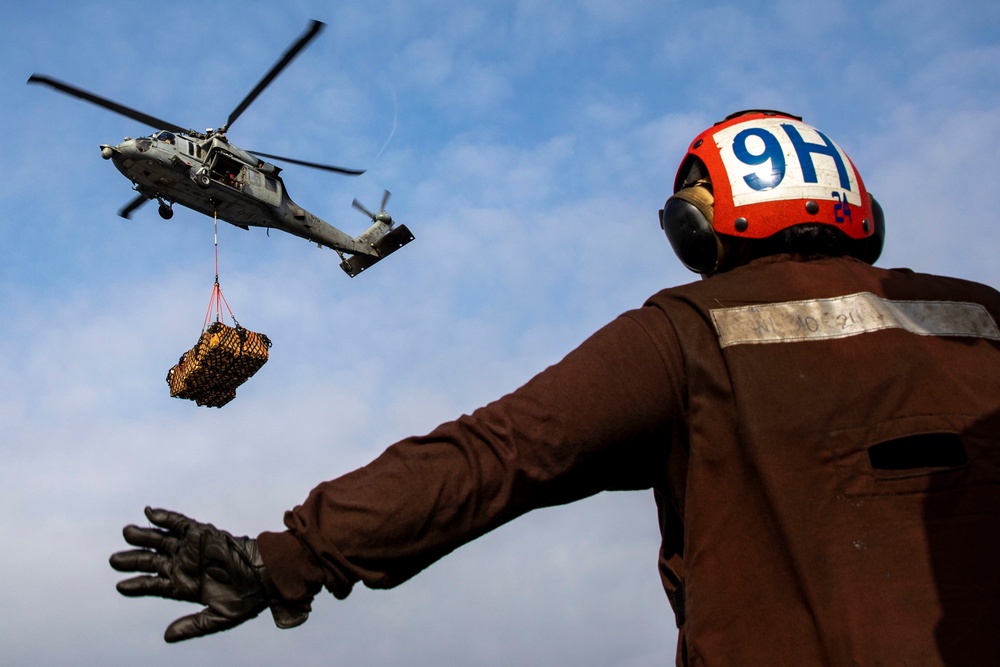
(387, 244)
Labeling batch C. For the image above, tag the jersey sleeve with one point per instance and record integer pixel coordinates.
(603, 418)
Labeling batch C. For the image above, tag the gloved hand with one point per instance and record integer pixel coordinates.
(197, 562)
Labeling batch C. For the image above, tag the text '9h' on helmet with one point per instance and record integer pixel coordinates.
(756, 174)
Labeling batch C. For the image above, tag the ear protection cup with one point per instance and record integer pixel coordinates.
(870, 249)
(686, 219)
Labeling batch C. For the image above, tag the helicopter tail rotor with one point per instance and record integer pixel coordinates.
(381, 216)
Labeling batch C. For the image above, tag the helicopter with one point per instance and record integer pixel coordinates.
(204, 172)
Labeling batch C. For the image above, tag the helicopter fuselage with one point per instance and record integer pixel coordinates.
(207, 174)
(216, 178)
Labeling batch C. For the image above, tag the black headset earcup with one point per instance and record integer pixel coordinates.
(687, 221)
(870, 249)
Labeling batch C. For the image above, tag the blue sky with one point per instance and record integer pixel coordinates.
(533, 144)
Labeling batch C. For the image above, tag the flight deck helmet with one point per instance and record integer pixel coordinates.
(757, 173)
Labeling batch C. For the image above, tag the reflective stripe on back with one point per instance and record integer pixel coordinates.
(851, 315)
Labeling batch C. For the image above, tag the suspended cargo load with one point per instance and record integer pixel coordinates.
(224, 358)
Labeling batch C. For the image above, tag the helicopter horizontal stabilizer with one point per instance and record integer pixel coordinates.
(385, 246)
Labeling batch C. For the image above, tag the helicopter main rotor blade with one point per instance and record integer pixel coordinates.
(312, 165)
(307, 37)
(152, 121)
(127, 209)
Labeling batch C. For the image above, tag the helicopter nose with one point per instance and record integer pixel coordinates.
(125, 149)
(107, 151)
(130, 149)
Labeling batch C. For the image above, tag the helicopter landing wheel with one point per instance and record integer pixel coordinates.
(201, 178)
(166, 212)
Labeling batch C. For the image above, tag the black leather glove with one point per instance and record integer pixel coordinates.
(196, 562)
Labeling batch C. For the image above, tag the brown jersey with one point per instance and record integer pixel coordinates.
(823, 438)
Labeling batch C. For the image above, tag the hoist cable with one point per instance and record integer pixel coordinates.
(217, 300)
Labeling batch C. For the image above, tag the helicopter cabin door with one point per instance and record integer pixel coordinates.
(262, 187)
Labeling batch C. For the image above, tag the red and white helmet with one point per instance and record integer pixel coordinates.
(757, 173)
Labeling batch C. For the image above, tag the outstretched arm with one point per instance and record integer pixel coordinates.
(602, 418)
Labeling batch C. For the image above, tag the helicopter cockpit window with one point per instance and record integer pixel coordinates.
(165, 137)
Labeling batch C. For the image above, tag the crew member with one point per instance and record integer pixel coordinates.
(822, 438)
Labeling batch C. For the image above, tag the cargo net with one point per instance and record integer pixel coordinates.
(224, 358)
